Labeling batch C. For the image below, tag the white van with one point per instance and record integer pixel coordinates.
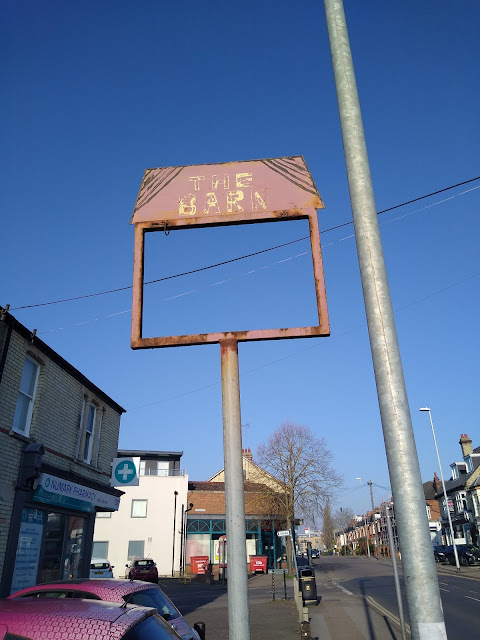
(100, 568)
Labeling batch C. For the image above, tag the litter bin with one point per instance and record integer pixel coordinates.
(308, 585)
(258, 563)
(199, 564)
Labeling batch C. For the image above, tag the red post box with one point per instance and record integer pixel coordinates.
(258, 563)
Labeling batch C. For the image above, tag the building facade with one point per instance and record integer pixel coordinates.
(150, 521)
(58, 436)
(463, 497)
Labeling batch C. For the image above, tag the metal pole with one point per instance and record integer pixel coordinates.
(388, 509)
(455, 552)
(175, 493)
(421, 582)
(237, 585)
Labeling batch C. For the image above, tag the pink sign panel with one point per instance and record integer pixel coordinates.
(252, 189)
(226, 194)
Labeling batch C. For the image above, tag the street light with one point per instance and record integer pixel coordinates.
(364, 517)
(444, 490)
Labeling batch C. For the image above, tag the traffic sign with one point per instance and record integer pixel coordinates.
(283, 534)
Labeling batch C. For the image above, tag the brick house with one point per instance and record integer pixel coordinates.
(58, 436)
(463, 496)
(206, 518)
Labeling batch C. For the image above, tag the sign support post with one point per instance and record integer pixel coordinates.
(237, 579)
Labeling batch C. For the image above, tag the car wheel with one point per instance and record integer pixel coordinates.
(451, 560)
(463, 561)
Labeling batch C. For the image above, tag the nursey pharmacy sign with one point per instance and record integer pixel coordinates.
(63, 493)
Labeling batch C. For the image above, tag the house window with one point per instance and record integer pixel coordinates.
(89, 433)
(469, 463)
(26, 396)
(154, 467)
(100, 550)
(139, 508)
(429, 513)
(135, 549)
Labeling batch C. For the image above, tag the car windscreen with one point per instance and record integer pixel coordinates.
(154, 598)
(153, 628)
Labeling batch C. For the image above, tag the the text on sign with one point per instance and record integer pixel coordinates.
(223, 193)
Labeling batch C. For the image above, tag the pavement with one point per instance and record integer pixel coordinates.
(339, 614)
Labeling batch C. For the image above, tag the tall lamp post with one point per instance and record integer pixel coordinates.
(364, 517)
(444, 490)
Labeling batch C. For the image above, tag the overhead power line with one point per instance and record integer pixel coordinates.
(243, 257)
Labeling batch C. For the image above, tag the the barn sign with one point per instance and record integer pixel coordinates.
(226, 194)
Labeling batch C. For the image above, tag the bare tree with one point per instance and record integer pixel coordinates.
(342, 518)
(301, 463)
(328, 527)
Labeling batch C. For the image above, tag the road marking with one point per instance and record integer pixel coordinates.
(443, 583)
(344, 590)
(444, 590)
(472, 598)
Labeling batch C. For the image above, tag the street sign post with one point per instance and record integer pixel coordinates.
(232, 193)
(283, 534)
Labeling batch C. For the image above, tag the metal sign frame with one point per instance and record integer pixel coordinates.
(161, 205)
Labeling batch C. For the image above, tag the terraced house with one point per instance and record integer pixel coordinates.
(58, 436)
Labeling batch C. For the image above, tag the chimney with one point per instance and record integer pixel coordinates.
(247, 454)
(436, 483)
(466, 445)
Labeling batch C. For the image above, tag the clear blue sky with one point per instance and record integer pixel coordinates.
(96, 92)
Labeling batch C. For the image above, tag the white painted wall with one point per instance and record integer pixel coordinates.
(156, 529)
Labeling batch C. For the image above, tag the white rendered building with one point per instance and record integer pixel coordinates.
(150, 520)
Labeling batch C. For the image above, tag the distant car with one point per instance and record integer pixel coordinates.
(100, 568)
(468, 554)
(142, 569)
(315, 553)
(120, 591)
(439, 553)
(47, 618)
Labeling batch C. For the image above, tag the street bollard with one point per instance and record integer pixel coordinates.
(285, 584)
(200, 629)
(305, 631)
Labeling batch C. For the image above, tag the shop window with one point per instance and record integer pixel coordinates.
(26, 397)
(136, 549)
(139, 509)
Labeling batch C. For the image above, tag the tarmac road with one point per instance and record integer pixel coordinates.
(373, 579)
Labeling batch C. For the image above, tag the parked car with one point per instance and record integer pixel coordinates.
(315, 553)
(47, 618)
(142, 569)
(439, 553)
(100, 568)
(114, 590)
(467, 554)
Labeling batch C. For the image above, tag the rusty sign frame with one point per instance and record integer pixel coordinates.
(152, 221)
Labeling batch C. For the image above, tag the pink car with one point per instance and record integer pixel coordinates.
(120, 591)
(62, 619)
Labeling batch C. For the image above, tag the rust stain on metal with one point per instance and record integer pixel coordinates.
(230, 193)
